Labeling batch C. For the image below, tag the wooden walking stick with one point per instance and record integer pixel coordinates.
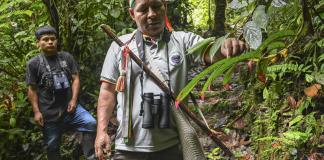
(211, 133)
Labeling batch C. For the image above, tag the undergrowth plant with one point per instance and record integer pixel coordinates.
(282, 93)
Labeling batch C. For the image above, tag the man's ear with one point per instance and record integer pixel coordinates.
(37, 43)
(131, 13)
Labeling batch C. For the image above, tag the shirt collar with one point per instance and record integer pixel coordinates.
(151, 40)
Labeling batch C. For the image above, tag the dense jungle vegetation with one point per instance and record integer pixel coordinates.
(267, 103)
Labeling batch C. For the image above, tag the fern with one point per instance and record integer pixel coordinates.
(288, 68)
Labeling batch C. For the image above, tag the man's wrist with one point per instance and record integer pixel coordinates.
(101, 130)
(36, 112)
(74, 99)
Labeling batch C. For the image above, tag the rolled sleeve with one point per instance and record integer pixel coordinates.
(190, 39)
(31, 72)
(73, 65)
(110, 69)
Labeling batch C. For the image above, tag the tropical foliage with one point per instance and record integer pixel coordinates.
(281, 100)
(282, 97)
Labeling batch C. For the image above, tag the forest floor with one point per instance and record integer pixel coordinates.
(220, 113)
(223, 110)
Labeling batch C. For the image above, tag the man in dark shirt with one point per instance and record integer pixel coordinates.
(53, 86)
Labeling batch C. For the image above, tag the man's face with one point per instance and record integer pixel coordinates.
(48, 43)
(149, 16)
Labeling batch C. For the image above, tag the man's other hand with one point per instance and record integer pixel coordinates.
(102, 145)
(71, 106)
(38, 117)
(232, 47)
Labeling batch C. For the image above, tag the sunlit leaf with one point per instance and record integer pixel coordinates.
(21, 33)
(252, 34)
(4, 26)
(22, 12)
(296, 136)
(4, 6)
(260, 17)
(278, 3)
(309, 78)
(320, 6)
(115, 12)
(321, 57)
(320, 43)
(265, 93)
(284, 52)
(296, 120)
(200, 46)
(319, 78)
(236, 4)
(12, 122)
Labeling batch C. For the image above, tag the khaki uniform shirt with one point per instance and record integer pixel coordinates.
(151, 140)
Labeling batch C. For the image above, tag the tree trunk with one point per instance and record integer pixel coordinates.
(219, 19)
(55, 19)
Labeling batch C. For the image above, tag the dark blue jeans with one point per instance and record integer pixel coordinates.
(82, 121)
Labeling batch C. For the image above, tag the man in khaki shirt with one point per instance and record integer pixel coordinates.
(163, 51)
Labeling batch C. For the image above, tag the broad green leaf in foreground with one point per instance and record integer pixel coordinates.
(217, 69)
(200, 46)
(252, 34)
(219, 41)
(274, 37)
(222, 66)
(260, 17)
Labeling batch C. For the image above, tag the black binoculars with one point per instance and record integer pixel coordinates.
(152, 107)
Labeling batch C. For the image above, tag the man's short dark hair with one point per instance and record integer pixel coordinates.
(45, 30)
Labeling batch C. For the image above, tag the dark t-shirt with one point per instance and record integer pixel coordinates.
(52, 102)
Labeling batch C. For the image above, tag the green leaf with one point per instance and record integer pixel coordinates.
(200, 46)
(12, 122)
(228, 75)
(252, 34)
(5, 26)
(275, 45)
(309, 78)
(266, 94)
(278, 3)
(296, 120)
(236, 4)
(219, 41)
(21, 33)
(276, 36)
(5, 15)
(296, 136)
(320, 43)
(187, 89)
(115, 12)
(321, 57)
(260, 17)
(22, 12)
(268, 138)
(221, 66)
(319, 78)
(4, 6)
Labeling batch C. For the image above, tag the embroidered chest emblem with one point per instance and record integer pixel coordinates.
(176, 59)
